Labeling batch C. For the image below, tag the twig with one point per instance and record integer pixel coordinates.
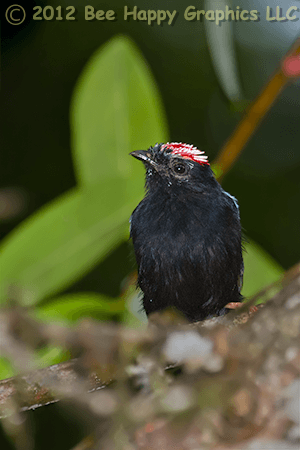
(289, 69)
(37, 386)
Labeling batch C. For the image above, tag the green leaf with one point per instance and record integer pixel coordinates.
(134, 316)
(73, 307)
(6, 368)
(64, 239)
(47, 356)
(116, 109)
(217, 170)
(260, 269)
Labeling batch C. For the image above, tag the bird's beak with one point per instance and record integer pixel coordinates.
(144, 156)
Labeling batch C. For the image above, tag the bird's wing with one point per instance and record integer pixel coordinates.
(240, 280)
(232, 198)
(130, 225)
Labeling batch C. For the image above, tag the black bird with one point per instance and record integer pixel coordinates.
(186, 234)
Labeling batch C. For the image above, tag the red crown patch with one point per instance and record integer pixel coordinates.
(186, 151)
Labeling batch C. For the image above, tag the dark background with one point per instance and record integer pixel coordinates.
(42, 61)
(40, 65)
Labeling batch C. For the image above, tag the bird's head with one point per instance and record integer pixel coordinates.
(175, 164)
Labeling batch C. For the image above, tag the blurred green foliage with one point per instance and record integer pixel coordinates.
(116, 108)
(260, 269)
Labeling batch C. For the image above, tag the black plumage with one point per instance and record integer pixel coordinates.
(186, 234)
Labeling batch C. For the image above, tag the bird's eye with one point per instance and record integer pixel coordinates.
(179, 168)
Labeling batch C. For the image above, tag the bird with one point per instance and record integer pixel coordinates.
(186, 235)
